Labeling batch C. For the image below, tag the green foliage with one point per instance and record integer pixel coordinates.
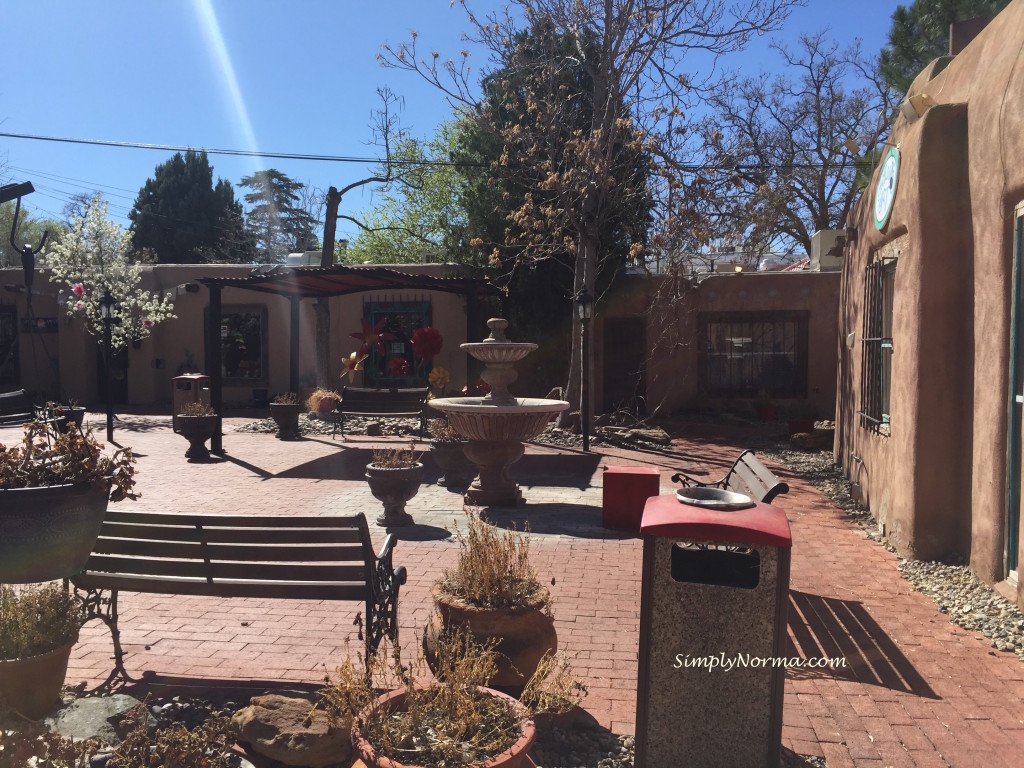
(277, 222)
(184, 218)
(30, 230)
(37, 620)
(94, 257)
(920, 33)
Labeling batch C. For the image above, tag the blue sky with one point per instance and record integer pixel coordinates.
(275, 76)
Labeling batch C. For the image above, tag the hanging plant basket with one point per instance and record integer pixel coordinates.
(48, 533)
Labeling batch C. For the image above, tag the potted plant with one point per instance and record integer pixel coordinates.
(197, 423)
(64, 417)
(764, 407)
(38, 627)
(285, 411)
(446, 450)
(494, 594)
(453, 720)
(54, 489)
(394, 476)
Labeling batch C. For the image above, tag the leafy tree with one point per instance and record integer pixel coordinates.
(277, 220)
(96, 256)
(183, 217)
(776, 148)
(30, 230)
(920, 33)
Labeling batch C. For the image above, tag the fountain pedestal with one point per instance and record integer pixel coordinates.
(493, 487)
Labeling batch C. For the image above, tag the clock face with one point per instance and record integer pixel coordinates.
(885, 191)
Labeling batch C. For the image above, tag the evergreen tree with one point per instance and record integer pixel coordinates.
(920, 33)
(277, 222)
(183, 217)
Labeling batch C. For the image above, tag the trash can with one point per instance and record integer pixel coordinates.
(188, 388)
(711, 671)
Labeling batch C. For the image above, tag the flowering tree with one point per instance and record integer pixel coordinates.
(93, 257)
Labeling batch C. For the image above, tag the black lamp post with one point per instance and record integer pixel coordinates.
(585, 311)
(107, 305)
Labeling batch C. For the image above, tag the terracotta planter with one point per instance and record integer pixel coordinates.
(524, 635)
(286, 415)
(457, 470)
(48, 533)
(197, 430)
(394, 486)
(32, 686)
(514, 757)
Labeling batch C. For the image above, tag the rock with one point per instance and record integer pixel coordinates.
(279, 727)
(373, 429)
(812, 441)
(95, 717)
(651, 435)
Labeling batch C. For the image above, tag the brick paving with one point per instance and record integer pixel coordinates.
(918, 690)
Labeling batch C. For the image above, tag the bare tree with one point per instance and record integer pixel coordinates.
(634, 55)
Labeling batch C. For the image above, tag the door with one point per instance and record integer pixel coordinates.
(624, 351)
(1016, 399)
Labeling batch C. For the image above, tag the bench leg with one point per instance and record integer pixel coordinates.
(98, 606)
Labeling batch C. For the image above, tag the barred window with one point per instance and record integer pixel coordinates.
(876, 370)
(745, 353)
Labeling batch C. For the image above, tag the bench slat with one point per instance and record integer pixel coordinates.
(234, 521)
(198, 551)
(255, 571)
(745, 480)
(215, 534)
(180, 586)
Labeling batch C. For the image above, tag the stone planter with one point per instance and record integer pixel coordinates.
(197, 430)
(457, 470)
(515, 756)
(394, 486)
(523, 635)
(32, 686)
(68, 416)
(286, 415)
(48, 533)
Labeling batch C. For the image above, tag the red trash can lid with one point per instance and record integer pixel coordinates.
(761, 524)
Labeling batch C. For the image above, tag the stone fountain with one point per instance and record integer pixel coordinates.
(497, 424)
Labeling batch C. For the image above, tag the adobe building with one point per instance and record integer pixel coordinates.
(931, 354)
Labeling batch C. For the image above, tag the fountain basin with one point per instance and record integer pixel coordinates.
(476, 418)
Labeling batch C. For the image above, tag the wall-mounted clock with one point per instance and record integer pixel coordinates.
(885, 190)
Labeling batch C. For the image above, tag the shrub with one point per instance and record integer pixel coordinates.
(37, 620)
(395, 458)
(313, 401)
(443, 432)
(196, 409)
(286, 398)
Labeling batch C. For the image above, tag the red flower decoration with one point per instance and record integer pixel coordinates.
(399, 367)
(373, 337)
(480, 387)
(426, 343)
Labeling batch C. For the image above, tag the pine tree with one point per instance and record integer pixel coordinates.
(277, 222)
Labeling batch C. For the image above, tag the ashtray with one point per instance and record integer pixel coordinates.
(714, 498)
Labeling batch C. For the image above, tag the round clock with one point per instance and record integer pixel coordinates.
(885, 190)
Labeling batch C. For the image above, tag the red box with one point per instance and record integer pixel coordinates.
(626, 490)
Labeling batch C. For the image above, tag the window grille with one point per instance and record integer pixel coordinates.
(876, 368)
(745, 353)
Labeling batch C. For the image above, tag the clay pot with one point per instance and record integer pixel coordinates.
(394, 486)
(515, 756)
(197, 430)
(32, 686)
(48, 533)
(523, 635)
(286, 416)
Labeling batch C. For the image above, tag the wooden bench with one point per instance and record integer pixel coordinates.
(357, 401)
(15, 408)
(747, 476)
(302, 558)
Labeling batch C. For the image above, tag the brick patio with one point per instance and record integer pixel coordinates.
(918, 691)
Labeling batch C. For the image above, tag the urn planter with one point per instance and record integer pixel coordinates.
(286, 415)
(523, 635)
(515, 756)
(48, 533)
(32, 685)
(457, 471)
(394, 486)
(197, 430)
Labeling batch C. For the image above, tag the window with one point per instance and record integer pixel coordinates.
(743, 353)
(243, 345)
(401, 319)
(876, 369)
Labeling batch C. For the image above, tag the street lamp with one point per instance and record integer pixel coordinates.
(107, 306)
(585, 311)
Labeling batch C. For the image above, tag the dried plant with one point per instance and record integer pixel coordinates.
(48, 457)
(286, 398)
(395, 458)
(196, 409)
(443, 432)
(31, 745)
(313, 401)
(208, 745)
(493, 569)
(37, 620)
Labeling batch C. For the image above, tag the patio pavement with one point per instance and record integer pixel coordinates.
(918, 690)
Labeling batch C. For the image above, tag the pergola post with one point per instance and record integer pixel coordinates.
(213, 365)
(293, 345)
(472, 329)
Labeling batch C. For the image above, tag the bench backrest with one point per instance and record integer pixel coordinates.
(383, 401)
(15, 407)
(752, 478)
(316, 558)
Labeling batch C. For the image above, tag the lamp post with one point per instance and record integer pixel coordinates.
(585, 311)
(107, 305)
